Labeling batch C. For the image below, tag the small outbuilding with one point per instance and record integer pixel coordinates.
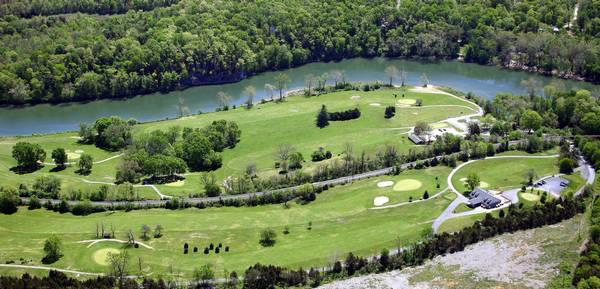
(416, 139)
(479, 197)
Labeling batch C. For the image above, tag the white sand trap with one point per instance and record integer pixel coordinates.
(101, 256)
(375, 104)
(378, 201)
(355, 97)
(407, 101)
(385, 184)
(407, 185)
(75, 137)
(530, 197)
(176, 184)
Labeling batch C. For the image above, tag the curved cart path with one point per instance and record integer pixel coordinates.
(586, 171)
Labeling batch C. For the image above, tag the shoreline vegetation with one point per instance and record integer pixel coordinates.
(188, 43)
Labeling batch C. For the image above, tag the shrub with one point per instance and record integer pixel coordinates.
(267, 238)
(566, 165)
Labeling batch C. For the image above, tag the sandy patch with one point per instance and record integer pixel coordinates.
(176, 184)
(375, 104)
(407, 185)
(415, 113)
(428, 89)
(74, 155)
(101, 256)
(199, 235)
(530, 197)
(385, 184)
(355, 97)
(407, 101)
(378, 201)
(75, 137)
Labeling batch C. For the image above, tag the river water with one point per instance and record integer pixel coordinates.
(486, 81)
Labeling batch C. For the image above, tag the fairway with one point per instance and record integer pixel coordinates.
(264, 128)
(504, 173)
(341, 222)
(530, 197)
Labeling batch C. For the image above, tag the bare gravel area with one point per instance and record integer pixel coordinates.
(526, 259)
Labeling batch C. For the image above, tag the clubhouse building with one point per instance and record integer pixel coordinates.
(479, 197)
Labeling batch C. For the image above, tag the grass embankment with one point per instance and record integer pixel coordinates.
(264, 128)
(341, 222)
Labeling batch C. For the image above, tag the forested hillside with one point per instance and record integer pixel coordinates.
(83, 57)
(29, 8)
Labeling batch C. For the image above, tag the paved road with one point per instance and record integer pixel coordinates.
(48, 269)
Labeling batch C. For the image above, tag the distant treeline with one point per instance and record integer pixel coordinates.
(83, 57)
(29, 8)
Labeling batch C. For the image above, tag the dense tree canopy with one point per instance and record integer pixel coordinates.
(82, 57)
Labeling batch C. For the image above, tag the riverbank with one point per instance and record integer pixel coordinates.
(481, 80)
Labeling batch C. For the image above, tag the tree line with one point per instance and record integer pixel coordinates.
(81, 57)
(30, 8)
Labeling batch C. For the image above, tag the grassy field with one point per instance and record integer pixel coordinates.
(341, 222)
(264, 128)
(501, 174)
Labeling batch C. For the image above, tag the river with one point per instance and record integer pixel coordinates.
(486, 81)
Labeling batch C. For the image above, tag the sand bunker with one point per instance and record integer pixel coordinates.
(407, 185)
(530, 197)
(176, 184)
(375, 104)
(378, 201)
(75, 137)
(101, 256)
(407, 101)
(355, 97)
(385, 184)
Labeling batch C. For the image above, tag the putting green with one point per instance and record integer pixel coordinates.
(408, 101)
(530, 197)
(176, 184)
(101, 256)
(407, 185)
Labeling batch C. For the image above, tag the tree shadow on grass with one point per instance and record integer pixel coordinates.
(25, 170)
(58, 169)
(83, 173)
